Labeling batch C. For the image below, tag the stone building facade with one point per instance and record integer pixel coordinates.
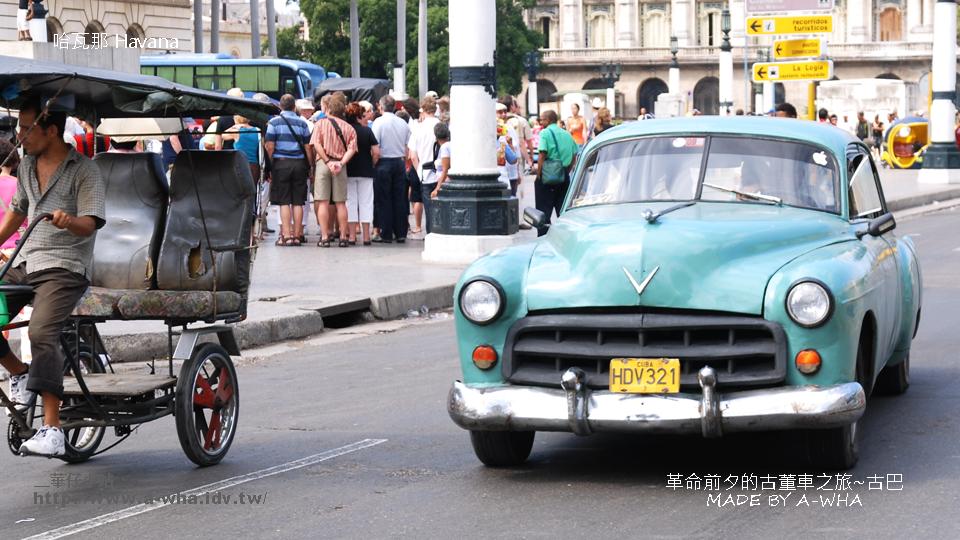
(152, 25)
(871, 39)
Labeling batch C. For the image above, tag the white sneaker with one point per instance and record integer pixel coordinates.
(49, 441)
(19, 394)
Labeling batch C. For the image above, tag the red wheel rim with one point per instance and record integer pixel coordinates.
(213, 407)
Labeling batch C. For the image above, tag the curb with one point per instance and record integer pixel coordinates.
(142, 347)
(923, 199)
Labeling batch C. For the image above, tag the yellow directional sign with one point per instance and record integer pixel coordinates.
(816, 70)
(799, 24)
(797, 48)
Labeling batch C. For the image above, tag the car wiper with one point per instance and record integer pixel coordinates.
(755, 196)
(652, 216)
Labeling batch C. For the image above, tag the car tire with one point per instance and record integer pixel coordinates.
(502, 448)
(835, 448)
(838, 448)
(894, 380)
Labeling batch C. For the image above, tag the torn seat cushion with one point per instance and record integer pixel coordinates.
(129, 304)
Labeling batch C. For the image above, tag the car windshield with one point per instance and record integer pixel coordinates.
(743, 169)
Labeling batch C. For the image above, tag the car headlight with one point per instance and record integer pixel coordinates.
(481, 301)
(809, 303)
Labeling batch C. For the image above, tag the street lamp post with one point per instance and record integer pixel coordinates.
(674, 83)
(766, 102)
(531, 62)
(474, 211)
(399, 77)
(726, 66)
(941, 159)
(610, 73)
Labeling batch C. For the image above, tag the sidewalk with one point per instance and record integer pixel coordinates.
(296, 291)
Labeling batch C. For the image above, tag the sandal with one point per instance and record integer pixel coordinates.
(292, 241)
(280, 241)
(324, 243)
(343, 243)
(353, 242)
(368, 243)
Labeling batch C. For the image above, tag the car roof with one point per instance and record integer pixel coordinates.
(831, 137)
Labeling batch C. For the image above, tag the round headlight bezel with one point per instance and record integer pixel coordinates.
(823, 287)
(500, 293)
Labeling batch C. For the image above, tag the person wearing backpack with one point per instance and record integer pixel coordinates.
(557, 153)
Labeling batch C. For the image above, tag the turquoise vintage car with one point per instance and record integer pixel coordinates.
(707, 276)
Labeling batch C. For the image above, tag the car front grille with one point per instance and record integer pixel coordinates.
(744, 351)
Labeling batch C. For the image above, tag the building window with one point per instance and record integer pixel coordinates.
(655, 25)
(600, 31)
(708, 20)
(135, 36)
(890, 24)
(54, 28)
(93, 33)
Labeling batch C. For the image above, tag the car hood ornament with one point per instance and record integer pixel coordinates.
(643, 284)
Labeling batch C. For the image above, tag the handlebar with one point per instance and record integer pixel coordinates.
(23, 240)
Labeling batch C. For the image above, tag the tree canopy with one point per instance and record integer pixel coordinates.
(329, 43)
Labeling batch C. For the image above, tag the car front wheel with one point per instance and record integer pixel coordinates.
(502, 448)
(894, 380)
(835, 448)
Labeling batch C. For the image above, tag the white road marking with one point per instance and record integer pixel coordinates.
(136, 510)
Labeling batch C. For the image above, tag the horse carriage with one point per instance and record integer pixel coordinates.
(177, 251)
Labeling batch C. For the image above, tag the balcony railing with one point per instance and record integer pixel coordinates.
(884, 50)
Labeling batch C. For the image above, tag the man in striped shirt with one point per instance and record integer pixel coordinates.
(286, 140)
(333, 144)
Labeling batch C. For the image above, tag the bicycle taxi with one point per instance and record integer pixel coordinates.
(176, 251)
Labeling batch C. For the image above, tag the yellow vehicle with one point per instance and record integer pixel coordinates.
(905, 141)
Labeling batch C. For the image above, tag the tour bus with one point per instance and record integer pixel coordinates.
(221, 72)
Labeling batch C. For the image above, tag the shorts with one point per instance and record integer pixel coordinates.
(330, 187)
(288, 184)
(414, 182)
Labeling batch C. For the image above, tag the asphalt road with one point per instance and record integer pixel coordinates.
(366, 407)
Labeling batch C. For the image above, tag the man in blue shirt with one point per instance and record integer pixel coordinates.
(287, 135)
(390, 185)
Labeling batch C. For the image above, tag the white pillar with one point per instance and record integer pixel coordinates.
(726, 82)
(768, 100)
(399, 77)
(354, 40)
(680, 21)
(674, 81)
(857, 23)
(254, 29)
(626, 17)
(532, 99)
(944, 72)
(473, 116)
(612, 101)
(737, 23)
(198, 27)
(215, 26)
(913, 20)
(941, 163)
(422, 49)
(271, 29)
(571, 24)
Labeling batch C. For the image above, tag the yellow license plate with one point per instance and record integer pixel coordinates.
(645, 375)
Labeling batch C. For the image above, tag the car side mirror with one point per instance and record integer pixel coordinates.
(879, 226)
(535, 218)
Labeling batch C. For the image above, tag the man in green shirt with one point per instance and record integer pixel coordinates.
(555, 143)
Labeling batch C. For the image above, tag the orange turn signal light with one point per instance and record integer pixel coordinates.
(484, 357)
(808, 361)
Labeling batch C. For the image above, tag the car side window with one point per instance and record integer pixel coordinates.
(865, 202)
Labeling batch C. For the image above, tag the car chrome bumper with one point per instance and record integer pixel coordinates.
(575, 408)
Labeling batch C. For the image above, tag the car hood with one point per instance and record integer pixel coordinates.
(710, 256)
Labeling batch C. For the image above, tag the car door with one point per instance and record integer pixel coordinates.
(866, 203)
